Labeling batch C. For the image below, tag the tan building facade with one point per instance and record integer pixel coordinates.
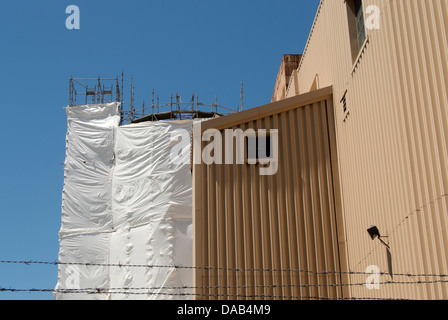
(253, 232)
(391, 119)
(362, 141)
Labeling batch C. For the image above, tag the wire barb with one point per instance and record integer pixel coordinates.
(180, 290)
(209, 268)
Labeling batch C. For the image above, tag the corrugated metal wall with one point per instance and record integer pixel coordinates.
(254, 233)
(392, 137)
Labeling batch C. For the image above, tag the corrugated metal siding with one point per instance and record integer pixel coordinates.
(392, 140)
(253, 233)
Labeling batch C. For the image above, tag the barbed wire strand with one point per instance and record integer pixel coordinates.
(249, 286)
(125, 292)
(208, 268)
(146, 290)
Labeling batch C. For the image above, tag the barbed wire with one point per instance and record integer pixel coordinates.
(208, 268)
(138, 290)
(123, 291)
(168, 290)
(165, 291)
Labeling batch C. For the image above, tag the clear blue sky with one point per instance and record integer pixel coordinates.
(185, 46)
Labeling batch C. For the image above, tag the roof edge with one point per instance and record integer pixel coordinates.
(268, 109)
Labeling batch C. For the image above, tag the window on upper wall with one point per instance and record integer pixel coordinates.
(357, 29)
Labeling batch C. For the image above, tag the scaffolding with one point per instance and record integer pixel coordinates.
(106, 90)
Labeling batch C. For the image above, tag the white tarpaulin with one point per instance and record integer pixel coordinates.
(126, 208)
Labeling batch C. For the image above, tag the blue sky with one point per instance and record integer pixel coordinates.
(202, 46)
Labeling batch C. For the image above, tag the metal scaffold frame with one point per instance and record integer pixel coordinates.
(107, 90)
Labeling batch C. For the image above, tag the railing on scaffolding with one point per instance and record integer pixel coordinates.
(106, 90)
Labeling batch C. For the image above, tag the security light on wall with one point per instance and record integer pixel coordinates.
(375, 233)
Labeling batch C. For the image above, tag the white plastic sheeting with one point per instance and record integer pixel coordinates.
(126, 208)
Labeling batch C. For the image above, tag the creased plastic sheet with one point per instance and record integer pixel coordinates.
(87, 200)
(152, 205)
(126, 208)
(88, 168)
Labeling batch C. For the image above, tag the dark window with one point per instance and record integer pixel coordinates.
(356, 26)
(360, 23)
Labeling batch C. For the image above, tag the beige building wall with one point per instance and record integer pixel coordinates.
(274, 236)
(392, 138)
(377, 156)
